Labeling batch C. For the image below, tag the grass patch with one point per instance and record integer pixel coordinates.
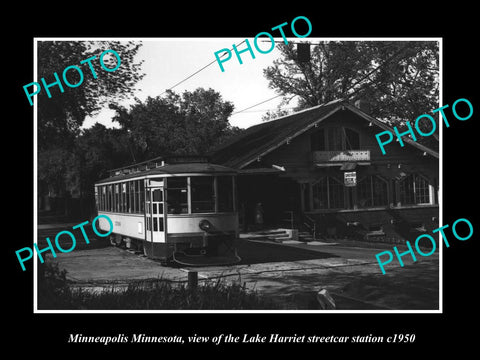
(55, 293)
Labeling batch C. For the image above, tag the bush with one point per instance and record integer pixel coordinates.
(54, 292)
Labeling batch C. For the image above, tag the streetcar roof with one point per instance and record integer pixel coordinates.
(184, 169)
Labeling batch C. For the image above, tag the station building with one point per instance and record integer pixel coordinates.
(322, 170)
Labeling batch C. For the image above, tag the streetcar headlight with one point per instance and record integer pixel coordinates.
(205, 225)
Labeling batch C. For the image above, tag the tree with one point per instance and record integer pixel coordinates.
(190, 123)
(60, 165)
(97, 150)
(60, 117)
(398, 78)
(100, 149)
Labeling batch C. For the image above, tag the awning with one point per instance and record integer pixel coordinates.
(348, 166)
(259, 171)
(344, 165)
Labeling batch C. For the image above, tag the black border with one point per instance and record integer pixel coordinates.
(433, 331)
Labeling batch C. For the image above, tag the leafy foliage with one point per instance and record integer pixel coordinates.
(54, 292)
(53, 289)
(60, 168)
(97, 150)
(398, 78)
(60, 117)
(190, 123)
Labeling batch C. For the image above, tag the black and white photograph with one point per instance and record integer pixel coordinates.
(281, 206)
(271, 185)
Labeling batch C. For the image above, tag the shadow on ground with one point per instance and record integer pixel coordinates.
(255, 252)
(413, 287)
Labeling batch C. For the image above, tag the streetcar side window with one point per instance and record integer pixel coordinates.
(120, 200)
(106, 204)
(136, 189)
(117, 198)
(97, 198)
(127, 197)
(123, 206)
(203, 195)
(142, 196)
(103, 199)
(131, 192)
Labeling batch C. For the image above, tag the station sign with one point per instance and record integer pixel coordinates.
(350, 178)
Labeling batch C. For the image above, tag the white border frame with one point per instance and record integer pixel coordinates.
(313, 39)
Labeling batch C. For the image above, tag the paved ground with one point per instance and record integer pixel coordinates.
(291, 272)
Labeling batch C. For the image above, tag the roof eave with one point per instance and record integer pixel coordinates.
(289, 138)
(341, 105)
(388, 128)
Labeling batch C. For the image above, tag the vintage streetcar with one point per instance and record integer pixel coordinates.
(176, 209)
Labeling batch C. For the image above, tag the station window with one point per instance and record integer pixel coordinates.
(203, 199)
(414, 190)
(352, 139)
(335, 139)
(225, 193)
(177, 195)
(372, 191)
(334, 136)
(320, 194)
(336, 194)
(317, 140)
(328, 193)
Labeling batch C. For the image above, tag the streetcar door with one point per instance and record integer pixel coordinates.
(154, 211)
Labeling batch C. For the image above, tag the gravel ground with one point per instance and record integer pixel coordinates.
(290, 273)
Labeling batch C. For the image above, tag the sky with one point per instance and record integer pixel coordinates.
(168, 61)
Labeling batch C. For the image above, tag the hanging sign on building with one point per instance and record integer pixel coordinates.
(350, 178)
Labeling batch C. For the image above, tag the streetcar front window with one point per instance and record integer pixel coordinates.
(177, 198)
(225, 193)
(203, 195)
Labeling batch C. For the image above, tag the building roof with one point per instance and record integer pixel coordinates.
(259, 140)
